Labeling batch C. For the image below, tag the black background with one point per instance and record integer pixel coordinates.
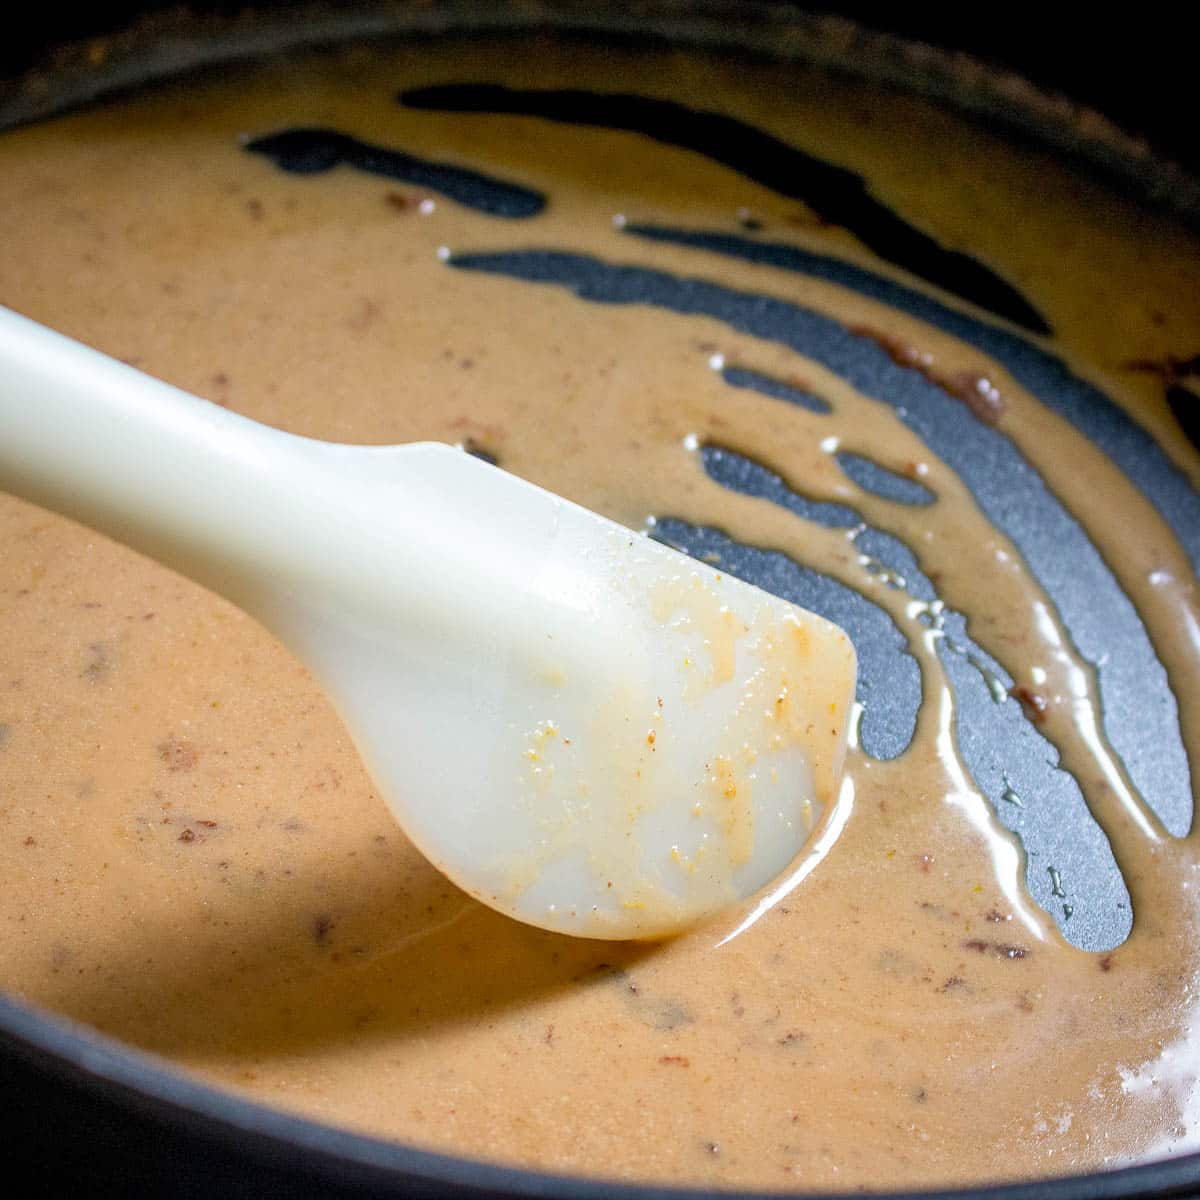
(1137, 63)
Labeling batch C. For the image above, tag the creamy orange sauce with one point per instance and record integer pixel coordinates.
(191, 857)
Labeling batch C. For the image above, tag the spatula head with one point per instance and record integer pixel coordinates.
(581, 727)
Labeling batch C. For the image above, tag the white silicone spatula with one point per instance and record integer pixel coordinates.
(582, 728)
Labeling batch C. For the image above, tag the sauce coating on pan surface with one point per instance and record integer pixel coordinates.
(826, 337)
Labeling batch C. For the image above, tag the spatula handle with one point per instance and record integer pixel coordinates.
(183, 480)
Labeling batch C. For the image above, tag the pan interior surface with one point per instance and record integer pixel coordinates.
(821, 334)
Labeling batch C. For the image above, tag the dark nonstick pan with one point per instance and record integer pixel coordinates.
(83, 1112)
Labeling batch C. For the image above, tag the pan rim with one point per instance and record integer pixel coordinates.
(166, 46)
(135, 1082)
